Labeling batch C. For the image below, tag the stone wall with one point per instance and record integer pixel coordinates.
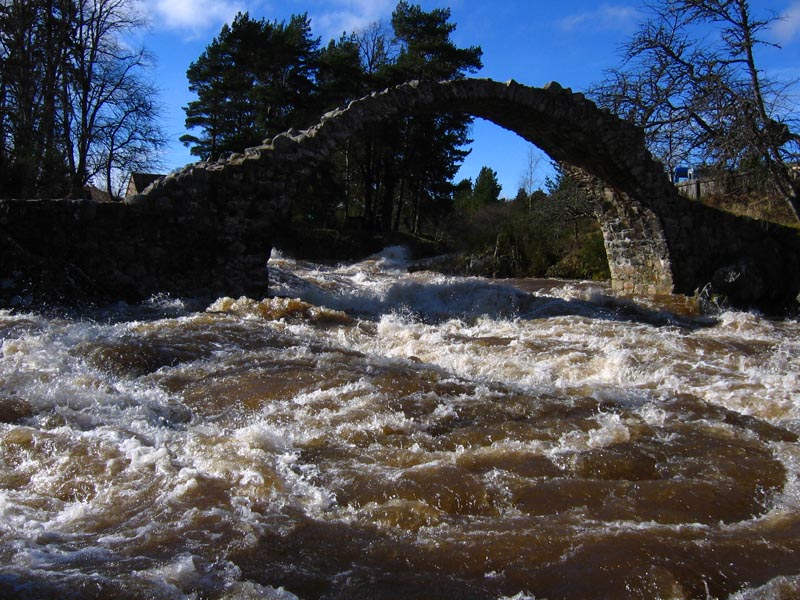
(61, 250)
(750, 263)
(696, 189)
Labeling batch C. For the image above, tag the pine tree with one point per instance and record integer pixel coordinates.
(340, 76)
(417, 157)
(436, 143)
(256, 79)
(487, 188)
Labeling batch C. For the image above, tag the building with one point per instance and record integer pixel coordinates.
(139, 182)
(91, 192)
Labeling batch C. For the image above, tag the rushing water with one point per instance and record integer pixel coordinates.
(372, 433)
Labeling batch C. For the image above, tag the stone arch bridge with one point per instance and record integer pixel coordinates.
(209, 227)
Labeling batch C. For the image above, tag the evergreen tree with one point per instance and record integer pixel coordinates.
(427, 50)
(255, 80)
(462, 197)
(398, 173)
(487, 188)
(469, 199)
(432, 146)
(340, 76)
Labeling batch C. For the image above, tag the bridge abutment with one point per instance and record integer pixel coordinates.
(638, 257)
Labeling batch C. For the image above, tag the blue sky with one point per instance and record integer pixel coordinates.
(531, 41)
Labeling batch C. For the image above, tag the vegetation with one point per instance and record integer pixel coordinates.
(551, 233)
(76, 109)
(254, 80)
(75, 106)
(690, 77)
(700, 103)
(259, 78)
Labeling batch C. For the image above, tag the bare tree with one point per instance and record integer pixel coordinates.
(376, 47)
(530, 180)
(690, 77)
(69, 82)
(105, 71)
(129, 136)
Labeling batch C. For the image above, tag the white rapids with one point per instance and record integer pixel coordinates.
(369, 432)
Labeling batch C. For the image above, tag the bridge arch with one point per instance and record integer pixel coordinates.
(604, 153)
(656, 241)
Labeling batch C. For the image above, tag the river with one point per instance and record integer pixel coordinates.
(374, 433)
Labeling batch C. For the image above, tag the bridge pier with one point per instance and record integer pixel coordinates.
(636, 248)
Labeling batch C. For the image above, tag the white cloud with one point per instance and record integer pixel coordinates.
(193, 16)
(329, 18)
(606, 16)
(341, 16)
(788, 27)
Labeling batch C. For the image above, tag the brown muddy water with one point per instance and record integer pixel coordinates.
(379, 434)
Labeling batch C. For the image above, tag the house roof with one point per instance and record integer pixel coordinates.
(96, 194)
(141, 180)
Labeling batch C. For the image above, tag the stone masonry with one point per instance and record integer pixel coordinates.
(208, 228)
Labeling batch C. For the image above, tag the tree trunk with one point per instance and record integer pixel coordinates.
(400, 202)
(387, 204)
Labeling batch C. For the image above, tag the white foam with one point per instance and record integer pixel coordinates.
(249, 590)
(393, 258)
(611, 431)
(177, 575)
(778, 588)
(483, 335)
